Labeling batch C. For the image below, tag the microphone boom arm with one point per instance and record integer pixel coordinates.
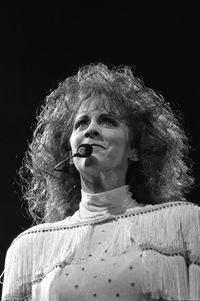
(84, 151)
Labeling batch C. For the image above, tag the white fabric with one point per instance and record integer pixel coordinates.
(103, 276)
(166, 235)
(109, 203)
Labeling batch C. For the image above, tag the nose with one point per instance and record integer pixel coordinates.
(92, 131)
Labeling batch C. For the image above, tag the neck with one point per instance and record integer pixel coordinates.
(107, 203)
(102, 182)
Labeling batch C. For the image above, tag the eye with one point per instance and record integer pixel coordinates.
(80, 123)
(108, 121)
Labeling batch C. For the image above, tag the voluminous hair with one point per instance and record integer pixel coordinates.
(163, 172)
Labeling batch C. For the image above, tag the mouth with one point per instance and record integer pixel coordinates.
(98, 145)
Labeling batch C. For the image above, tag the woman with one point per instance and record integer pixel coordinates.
(113, 224)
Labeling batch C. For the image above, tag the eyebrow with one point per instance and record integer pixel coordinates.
(85, 116)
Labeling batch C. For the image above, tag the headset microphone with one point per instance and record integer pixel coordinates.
(84, 151)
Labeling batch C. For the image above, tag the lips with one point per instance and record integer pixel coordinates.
(95, 144)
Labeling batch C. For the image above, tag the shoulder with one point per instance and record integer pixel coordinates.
(179, 216)
(29, 252)
(172, 226)
(188, 215)
(176, 208)
(35, 233)
(182, 211)
(182, 217)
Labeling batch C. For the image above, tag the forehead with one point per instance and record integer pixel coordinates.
(98, 105)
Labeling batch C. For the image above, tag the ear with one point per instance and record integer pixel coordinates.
(133, 155)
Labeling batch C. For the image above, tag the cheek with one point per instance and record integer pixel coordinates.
(119, 151)
(74, 140)
(120, 140)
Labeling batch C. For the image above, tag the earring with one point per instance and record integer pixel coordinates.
(134, 155)
(71, 162)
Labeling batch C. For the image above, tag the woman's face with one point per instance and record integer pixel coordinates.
(108, 135)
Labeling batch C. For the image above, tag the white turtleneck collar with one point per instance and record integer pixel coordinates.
(112, 202)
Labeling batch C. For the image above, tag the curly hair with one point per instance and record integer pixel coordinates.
(163, 172)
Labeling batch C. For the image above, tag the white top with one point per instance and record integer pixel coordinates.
(103, 276)
(111, 249)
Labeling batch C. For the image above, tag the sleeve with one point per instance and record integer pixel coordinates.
(17, 282)
(191, 232)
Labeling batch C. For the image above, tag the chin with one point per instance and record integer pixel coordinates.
(92, 162)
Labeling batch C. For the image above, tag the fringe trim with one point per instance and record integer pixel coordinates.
(194, 282)
(171, 229)
(164, 276)
(33, 256)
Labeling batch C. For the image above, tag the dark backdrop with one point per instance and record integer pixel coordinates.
(41, 46)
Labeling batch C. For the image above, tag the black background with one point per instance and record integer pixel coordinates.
(41, 46)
